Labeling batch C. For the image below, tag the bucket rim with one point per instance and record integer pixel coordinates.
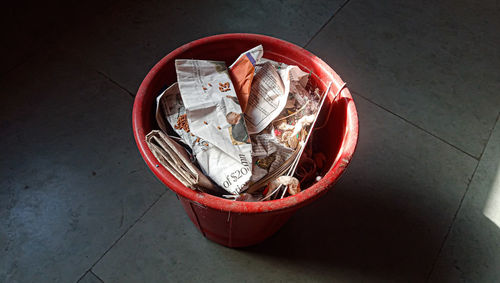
(342, 160)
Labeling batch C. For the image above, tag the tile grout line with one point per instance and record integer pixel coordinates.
(418, 127)
(431, 271)
(16, 66)
(116, 83)
(478, 159)
(81, 277)
(96, 276)
(92, 273)
(308, 42)
(327, 22)
(122, 235)
(428, 277)
(13, 68)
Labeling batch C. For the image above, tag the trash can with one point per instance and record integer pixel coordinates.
(235, 223)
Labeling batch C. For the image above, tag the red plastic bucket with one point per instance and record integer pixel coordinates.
(234, 223)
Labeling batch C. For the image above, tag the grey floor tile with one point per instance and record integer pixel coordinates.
(71, 178)
(385, 220)
(132, 36)
(89, 277)
(472, 251)
(27, 27)
(435, 63)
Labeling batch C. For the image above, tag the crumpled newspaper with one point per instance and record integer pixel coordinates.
(177, 161)
(268, 153)
(271, 94)
(208, 117)
(240, 150)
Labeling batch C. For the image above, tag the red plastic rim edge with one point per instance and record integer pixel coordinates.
(343, 158)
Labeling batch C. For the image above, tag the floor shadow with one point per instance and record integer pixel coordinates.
(383, 220)
(347, 230)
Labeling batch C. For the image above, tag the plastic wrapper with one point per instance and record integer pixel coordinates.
(242, 72)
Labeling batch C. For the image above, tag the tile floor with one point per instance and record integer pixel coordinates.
(419, 202)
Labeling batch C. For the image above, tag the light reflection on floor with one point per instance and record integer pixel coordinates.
(492, 207)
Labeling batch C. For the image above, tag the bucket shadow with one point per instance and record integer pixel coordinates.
(381, 221)
(345, 230)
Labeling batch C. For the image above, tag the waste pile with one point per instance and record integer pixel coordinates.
(239, 132)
